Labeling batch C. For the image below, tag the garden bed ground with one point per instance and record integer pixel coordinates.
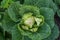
(57, 20)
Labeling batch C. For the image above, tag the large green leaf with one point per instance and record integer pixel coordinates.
(43, 32)
(7, 23)
(13, 11)
(9, 26)
(38, 3)
(26, 38)
(16, 35)
(53, 6)
(47, 3)
(54, 33)
(48, 15)
(42, 3)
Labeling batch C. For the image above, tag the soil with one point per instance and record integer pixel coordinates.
(57, 20)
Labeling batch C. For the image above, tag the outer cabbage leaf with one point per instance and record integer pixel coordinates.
(48, 15)
(42, 3)
(43, 32)
(16, 34)
(39, 3)
(26, 38)
(54, 33)
(7, 23)
(13, 11)
(9, 26)
(53, 6)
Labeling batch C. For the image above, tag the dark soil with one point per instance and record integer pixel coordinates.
(57, 20)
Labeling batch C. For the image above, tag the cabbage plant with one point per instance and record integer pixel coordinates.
(32, 20)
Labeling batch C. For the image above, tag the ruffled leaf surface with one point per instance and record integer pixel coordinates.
(54, 33)
(16, 34)
(48, 15)
(7, 23)
(40, 34)
(42, 3)
(13, 11)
